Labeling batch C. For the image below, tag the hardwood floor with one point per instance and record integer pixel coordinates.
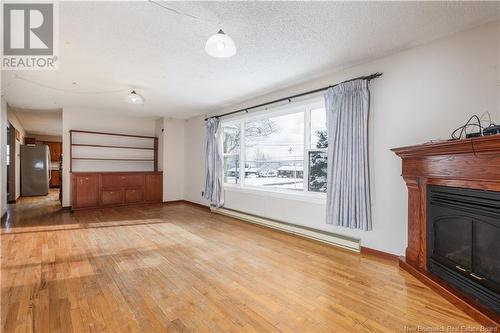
(179, 268)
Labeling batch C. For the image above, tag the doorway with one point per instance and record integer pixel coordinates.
(11, 164)
(36, 154)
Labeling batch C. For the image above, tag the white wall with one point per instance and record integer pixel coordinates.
(424, 94)
(14, 121)
(497, 67)
(93, 120)
(173, 159)
(194, 159)
(159, 132)
(3, 157)
(170, 133)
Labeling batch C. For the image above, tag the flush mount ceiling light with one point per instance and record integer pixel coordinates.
(134, 98)
(220, 45)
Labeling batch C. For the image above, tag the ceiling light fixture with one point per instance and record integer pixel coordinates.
(220, 45)
(134, 98)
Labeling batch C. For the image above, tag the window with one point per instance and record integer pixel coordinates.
(283, 149)
(274, 151)
(319, 138)
(317, 151)
(231, 151)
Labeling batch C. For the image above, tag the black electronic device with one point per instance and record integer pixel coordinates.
(492, 130)
(473, 135)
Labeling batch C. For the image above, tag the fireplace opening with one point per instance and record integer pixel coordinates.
(463, 241)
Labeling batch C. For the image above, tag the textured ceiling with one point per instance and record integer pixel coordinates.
(108, 47)
(41, 122)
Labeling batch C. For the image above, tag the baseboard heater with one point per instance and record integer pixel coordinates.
(345, 242)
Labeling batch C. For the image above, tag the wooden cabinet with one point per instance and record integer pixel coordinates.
(85, 191)
(133, 196)
(111, 180)
(153, 189)
(111, 197)
(55, 149)
(117, 188)
(55, 180)
(133, 181)
(29, 141)
(122, 180)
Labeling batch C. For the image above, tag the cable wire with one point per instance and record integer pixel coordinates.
(463, 129)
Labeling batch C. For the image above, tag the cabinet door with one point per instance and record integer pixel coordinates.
(133, 196)
(55, 181)
(57, 151)
(111, 197)
(86, 191)
(54, 154)
(153, 188)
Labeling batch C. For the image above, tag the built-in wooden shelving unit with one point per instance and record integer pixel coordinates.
(84, 145)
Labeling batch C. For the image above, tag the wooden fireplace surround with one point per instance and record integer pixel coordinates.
(468, 163)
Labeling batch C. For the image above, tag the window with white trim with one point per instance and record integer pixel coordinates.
(231, 152)
(281, 149)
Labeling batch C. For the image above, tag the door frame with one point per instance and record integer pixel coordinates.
(11, 168)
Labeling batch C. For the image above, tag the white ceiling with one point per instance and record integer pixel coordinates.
(40, 122)
(109, 47)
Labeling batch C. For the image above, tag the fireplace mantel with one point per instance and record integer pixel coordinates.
(483, 144)
(468, 163)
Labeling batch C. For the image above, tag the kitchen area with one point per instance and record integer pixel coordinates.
(34, 167)
(41, 164)
(54, 149)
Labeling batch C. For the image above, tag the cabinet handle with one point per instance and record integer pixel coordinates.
(477, 277)
(461, 268)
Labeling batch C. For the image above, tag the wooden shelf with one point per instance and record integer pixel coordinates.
(113, 159)
(106, 146)
(113, 134)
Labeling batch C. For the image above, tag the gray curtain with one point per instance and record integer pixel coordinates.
(213, 163)
(348, 181)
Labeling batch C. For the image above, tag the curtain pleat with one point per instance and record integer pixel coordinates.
(214, 169)
(348, 177)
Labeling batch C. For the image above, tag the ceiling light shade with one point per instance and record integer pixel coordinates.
(134, 98)
(220, 45)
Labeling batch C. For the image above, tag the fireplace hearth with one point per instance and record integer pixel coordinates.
(463, 241)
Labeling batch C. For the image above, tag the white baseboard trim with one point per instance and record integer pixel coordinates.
(345, 242)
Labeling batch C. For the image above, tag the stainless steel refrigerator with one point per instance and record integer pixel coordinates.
(35, 170)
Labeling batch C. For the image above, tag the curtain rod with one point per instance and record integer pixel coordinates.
(289, 98)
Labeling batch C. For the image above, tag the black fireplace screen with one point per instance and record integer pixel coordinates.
(487, 252)
(464, 240)
(453, 239)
